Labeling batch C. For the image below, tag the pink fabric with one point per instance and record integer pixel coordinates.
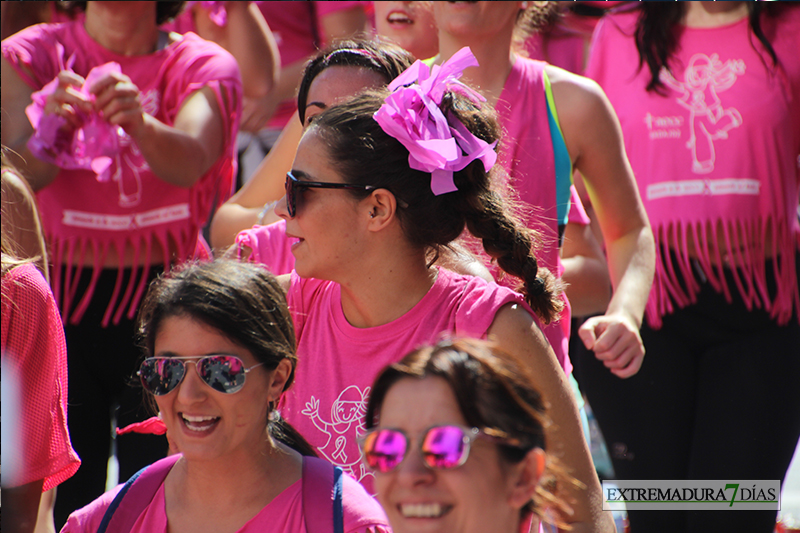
(151, 426)
(436, 144)
(338, 362)
(135, 209)
(526, 155)
(284, 514)
(50, 144)
(716, 157)
(34, 355)
(270, 246)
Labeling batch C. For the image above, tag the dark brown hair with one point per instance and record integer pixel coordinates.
(495, 392)
(658, 33)
(244, 302)
(384, 58)
(362, 153)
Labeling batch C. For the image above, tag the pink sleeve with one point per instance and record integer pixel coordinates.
(270, 245)
(87, 519)
(480, 304)
(361, 511)
(33, 345)
(577, 213)
(34, 54)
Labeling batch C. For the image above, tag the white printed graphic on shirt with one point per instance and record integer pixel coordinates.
(346, 425)
(709, 121)
(130, 182)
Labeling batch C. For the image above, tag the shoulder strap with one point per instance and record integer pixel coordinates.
(139, 489)
(322, 496)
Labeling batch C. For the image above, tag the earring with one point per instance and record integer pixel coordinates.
(372, 214)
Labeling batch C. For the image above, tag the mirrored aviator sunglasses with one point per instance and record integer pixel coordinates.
(441, 447)
(223, 373)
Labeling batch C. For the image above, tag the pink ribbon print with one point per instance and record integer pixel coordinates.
(435, 143)
(92, 146)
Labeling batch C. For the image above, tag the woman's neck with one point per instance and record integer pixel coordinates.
(234, 482)
(128, 30)
(495, 58)
(713, 14)
(382, 293)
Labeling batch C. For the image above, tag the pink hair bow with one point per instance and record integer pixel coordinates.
(435, 143)
(92, 146)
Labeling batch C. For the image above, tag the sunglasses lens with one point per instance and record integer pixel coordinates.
(445, 447)
(161, 376)
(290, 205)
(384, 449)
(223, 373)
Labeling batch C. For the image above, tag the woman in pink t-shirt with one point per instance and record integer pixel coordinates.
(455, 436)
(219, 349)
(127, 169)
(711, 120)
(537, 103)
(370, 202)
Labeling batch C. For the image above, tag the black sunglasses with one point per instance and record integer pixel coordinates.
(294, 187)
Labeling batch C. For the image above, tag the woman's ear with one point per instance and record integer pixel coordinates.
(381, 207)
(526, 478)
(278, 379)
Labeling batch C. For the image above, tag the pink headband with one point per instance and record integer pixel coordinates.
(435, 144)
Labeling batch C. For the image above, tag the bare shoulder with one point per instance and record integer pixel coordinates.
(574, 94)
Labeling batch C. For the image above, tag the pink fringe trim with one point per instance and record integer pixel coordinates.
(747, 267)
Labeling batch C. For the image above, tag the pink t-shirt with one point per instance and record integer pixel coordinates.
(135, 208)
(270, 246)
(716, 156)
(338, 362)
(284, 514)
(35, 360)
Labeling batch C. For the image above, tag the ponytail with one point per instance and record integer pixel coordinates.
(282, 431)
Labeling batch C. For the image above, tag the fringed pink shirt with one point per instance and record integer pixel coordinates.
(134, 210)
(716, 157)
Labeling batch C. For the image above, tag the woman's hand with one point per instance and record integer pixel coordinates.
(67, 100)
(118, 100)
(616, 342)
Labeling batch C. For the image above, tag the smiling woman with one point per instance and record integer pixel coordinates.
(455, 436)
(230, 323)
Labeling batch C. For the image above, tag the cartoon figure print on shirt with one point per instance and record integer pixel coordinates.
(130, 183)
(346, 425)
(709, 121)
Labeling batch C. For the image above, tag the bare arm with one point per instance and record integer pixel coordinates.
(242, 210)
(248, 38)
(585, 271)
(515, 332)
(21, 505)
(178, 154)
(594, 141)
(257, 111)
(16, 130)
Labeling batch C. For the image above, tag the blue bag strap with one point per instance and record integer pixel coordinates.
(322, 496)
(137, 494)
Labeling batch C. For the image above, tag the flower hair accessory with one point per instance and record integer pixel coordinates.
(435, 143)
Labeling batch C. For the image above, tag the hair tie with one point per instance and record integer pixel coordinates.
(436, 144)
(537, 287)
